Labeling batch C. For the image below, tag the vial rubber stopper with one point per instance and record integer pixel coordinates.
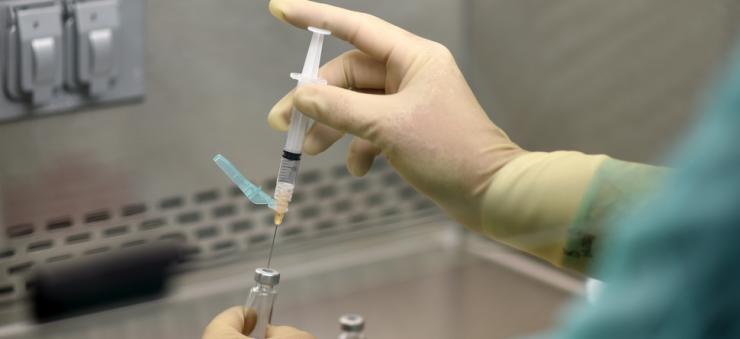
(352, 323)
(266, 276)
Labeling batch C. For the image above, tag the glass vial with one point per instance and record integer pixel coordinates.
(261, 299)
(352, 326)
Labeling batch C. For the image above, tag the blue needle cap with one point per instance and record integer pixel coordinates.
(253, 192)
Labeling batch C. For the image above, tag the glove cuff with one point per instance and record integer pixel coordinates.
(533, 199)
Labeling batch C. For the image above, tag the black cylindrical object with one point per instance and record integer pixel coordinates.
(104, 280)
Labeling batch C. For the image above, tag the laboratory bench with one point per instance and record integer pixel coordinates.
(425, 279)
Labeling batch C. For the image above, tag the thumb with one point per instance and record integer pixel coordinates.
(357, 113)
(231, 324)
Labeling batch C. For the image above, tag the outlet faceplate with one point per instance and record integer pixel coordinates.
(64, 55)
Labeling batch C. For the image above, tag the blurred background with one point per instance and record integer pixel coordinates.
(88, 176)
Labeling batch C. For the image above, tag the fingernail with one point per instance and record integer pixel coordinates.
(277, 9)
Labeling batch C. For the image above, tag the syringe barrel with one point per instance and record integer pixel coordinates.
(289, 164)
(298, 126)
(288, 169)
(297, 132)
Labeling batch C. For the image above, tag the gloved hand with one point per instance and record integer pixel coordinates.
(403, 96)
(232, 324)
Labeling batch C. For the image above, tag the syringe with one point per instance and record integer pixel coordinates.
(299, 123)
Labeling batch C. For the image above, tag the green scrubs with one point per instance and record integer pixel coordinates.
(672, 267)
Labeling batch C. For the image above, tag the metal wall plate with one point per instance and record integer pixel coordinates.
(62, 55)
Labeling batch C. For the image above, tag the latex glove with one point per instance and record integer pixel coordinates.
(232, 324)
(403, 96)
(421, 115)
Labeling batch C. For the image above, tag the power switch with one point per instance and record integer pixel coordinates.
(101, 53)
(95, 23)
(44, 63)
(34, 53)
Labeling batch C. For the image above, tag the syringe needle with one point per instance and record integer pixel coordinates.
(269, 256)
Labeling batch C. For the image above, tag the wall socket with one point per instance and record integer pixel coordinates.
(61, 55)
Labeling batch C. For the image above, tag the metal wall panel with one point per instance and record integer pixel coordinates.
(619, 77)
(72, 183)
(213, 71)
(615, 77)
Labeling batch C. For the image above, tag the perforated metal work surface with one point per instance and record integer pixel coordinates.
(410, 282)
(215, 222)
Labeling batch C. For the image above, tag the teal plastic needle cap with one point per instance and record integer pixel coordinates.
(253, 192)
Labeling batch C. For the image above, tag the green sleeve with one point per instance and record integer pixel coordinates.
(616, 187)
(555, 205)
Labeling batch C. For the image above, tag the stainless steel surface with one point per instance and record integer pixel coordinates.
(74, 185)
(96, 180)
(206, 96)
(218, 223)
(611, 76)
(413, 281)
(623, 78)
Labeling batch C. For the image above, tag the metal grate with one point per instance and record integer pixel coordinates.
(214, 223)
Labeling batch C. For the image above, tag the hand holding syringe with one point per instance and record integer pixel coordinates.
(299, 124)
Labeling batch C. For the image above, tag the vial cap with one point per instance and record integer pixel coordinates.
(352, 323)
(266, 276)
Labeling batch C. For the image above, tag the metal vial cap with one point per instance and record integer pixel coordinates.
(352, 323)
(266, 276)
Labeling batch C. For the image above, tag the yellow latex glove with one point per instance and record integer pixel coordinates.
(232, 324)
(403, 96)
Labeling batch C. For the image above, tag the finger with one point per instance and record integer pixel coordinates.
(319, 138)
(361, 155)
(250, 320)
(352, 69)
(287, 332)
(370, 34)
(279, 116)
(357, 113)
(228, 324)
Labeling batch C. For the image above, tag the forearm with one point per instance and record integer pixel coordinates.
(557, 205)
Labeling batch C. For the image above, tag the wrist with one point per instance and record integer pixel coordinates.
(533, 198)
